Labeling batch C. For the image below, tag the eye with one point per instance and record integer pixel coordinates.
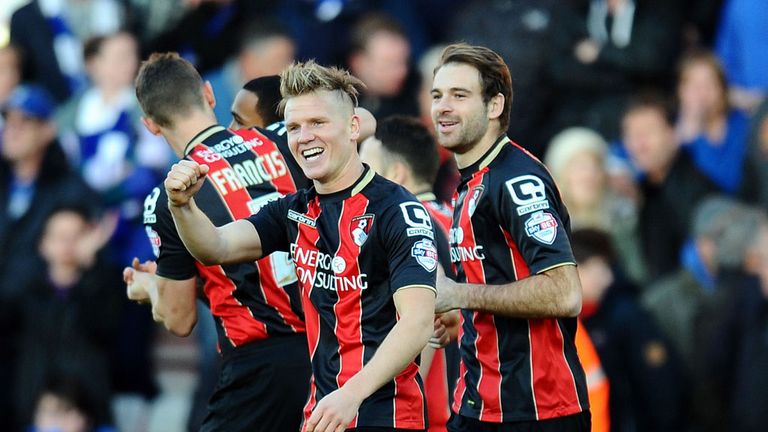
(435, 96)
(318, 123)
(459, 96)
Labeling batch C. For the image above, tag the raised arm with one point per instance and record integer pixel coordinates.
(232, 243)
(403, 343)
(173, 301)
(553, 293)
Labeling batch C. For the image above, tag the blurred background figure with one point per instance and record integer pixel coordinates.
(634, 355)
(671, 185)
(51, 32)
(713, 133)
(576, 157)
(521, 31)
(58, 308)
(64, 405)
(740, 41)
(265, 49)
(603, 53)
(755, 184)
(10, 73)
(101, 131)
(35, 178)
(379, 54)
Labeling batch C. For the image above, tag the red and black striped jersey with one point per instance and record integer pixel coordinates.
(508, 223)
(353, 250)
(248, 168)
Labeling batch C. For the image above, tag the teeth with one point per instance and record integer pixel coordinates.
(315, 151)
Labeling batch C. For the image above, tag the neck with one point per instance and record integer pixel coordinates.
(479, 148)
(64, 275)
(28, 169)
(186, 128)
(351, 171)
(657, 176)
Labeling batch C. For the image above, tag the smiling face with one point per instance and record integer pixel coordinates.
(322, 133)
(458, 112)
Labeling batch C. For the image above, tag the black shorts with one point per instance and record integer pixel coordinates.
(581, 422)
(263, 386)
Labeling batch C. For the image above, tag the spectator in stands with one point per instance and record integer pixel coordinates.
(100, 129)
(68, 313)
(604, 54)
(576, 157)
(755, 184)
(50, 33)
(672, 185)
(740, 44)
(739, 349)
(265, 49)
(65, 405)
(635, 357)
(379, 56)
(714, 135)
(10, 71)
(33, 169)
(525, 43)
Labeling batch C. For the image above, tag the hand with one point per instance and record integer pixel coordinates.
(183, 181)
(136, 278)
(447, 293)
(587, 51)
(334, 412)
(440, 337)
(96, 237)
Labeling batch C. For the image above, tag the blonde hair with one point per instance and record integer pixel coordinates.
(570, 142)
(308, 77)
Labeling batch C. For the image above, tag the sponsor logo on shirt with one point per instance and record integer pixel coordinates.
(360, 227)
(418, 220)
(529, 193)
(154, 240)
(425, 253)
(302, 219)
(316, 269)
(542, 226)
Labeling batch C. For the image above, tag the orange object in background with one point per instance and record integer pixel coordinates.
(597, 382)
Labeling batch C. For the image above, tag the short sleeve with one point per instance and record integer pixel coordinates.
(409, 240)
(173, 260)
(271, 224)
(531, 211)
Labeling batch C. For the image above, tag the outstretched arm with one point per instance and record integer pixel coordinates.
(552, 293)
(232, 243)
(403, 343)
(173, 301)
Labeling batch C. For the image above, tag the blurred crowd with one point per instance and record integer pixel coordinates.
(650, 114)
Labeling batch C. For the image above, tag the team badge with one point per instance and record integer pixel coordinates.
(425, 253)
(154, 240)
(477, 192)
(360, 227)
(542, 226)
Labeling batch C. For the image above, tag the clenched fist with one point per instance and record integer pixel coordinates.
(183, 181)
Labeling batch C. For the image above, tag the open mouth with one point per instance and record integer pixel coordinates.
(313, 153)
(446, 125)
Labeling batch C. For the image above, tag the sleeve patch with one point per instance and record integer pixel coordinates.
(150, 206)
(542, 226)
(425, 253)
(154, 240)
(418, 220)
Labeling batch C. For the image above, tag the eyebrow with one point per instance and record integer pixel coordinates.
(453, 89)
(237, 117)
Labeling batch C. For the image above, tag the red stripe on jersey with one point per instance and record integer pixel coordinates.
(549, 367)
(272, 160)
(487, 342)
(237, 321)
(348, 309)
(461, 383)
(409, 400)
(436, 388)
(307, 239)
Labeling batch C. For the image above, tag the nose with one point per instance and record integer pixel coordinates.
(440, 105)
(305, 135)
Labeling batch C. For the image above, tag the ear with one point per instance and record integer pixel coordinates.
(210, 98)
(496, 106)
(151, 126)
(399, 172)
(355, 128)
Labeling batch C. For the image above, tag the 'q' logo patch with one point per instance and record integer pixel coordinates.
(542, 226)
